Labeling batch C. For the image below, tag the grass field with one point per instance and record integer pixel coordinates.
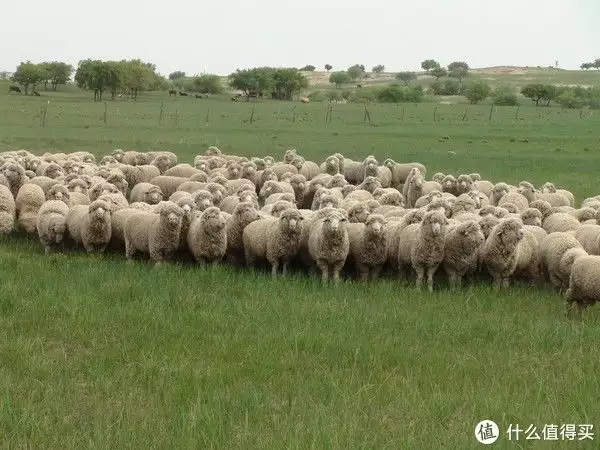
(98, 353)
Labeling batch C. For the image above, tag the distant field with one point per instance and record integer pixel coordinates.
(98, 353)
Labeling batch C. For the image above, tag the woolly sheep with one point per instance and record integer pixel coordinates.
(167, 184)
(566, 265)
(464, 184)
(139, 174)
(182, 170)
(102, 189)
(229, 203)
(552, 248)
(30, 199)
(413, 188)
(514, 198)
(400, 172)
(369, 184)
(51, 224)
(207, 237)
(422, 246)
(90, 225)
(584, 288)
(329, 245)
(555, 199)
(298, 183)
(461, 251)
(243, 214)
(393, 230)
(498, 191)
(147, 193)
(368, 246)
(59, 192)
(500, 252)
(589, 237)
(156, 234)
(272, 187)
(273, 198)
(275, 209)
(275, 239)
(15, 177)
(331, 166)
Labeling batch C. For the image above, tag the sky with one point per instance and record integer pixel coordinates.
(224, 35)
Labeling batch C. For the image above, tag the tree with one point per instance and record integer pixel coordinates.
(356, 72)
(538, 92)
(477, 91)
(378, 69)
(287, 82)
(308, 68)
(458, 70)
(586, 66)
(339, 78)
(28, 74)
(257, 80)
(92, 75)
(406, 77)
(176, 75)
(429, 64)
(328, 67)
(208, 84)
(4, 75)
(596, 64)
(505, 96)
(438, 72)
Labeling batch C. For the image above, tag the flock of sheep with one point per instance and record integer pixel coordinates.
(340, 217)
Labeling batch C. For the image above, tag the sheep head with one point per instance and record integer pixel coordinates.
(531, 216)
(291, 220)
(472, 232)
(245, 213)
(59, 192)
(375, 224)
(269, 161)
(171, 213)
(464, 183)
(487, 223)
(548, 188)
(99, 208)
(289, 155)
(475, 176)
(448, 183)
(332, 165)
(439, 177)
(434, 222)
(212, 219)
(527, 190)
(335, 223)
(392, 198)
(203, 199)
(53, 171)
(153, 195)
(298, 162)
(543, 206)
(188, 206)
(370, 183)
(78, 185)
(248, 169)
(371, 165)
(328, 200)
(234, 170)
(13, 172)
(337, 180)
(389, 163)
(509, 232)
(212, 151)
(117, 154)
(298, 183)
(359, 213)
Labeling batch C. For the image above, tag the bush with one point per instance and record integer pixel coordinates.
(447, 87)
(477, 91)
(505, 96)
(569, 99)
(317, 96)
(395, 93)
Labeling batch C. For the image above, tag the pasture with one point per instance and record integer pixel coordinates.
(103, 354)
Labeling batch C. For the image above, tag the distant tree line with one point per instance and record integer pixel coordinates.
(276, 83)
(51, 74)
(125, 77)
(591, 65)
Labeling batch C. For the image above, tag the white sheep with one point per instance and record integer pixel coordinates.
(461, 251)
(30, 199)
(584, 283)
(328, 244)
(368, 246)
(51, 224)
(500, 251)
(207, 237)
(90, 225)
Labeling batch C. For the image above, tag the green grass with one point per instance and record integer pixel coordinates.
(98, 353)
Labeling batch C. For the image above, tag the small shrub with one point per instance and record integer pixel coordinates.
(505, 96)
(395, 93)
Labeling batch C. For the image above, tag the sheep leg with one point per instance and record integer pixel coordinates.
(129, 250)
(375, 270)
(201, 261)
(452, 280)
(336, 269)
(505, 282)
(47, 249)
(497, 282)
(430, 272)
(324, 268)
(274, 268)
(420, 275)
(362, 271)
(284, 267)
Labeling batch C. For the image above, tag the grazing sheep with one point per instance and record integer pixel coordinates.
(461, 250)
(51, 224)
(552, 249)
(207, 237)
(566, 265)
(156, 234)
(584, 284)
(91, 225)
(147, 193)
(500, 252)
(329, 245)
(30, 199)
(422, 246)
(243, 214)
(275, 239)
(368, 246)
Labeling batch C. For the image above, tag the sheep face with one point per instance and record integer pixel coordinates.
(154, 195)
(332, 165)
(172, 214)
(338, 180)
(472, 232)
(203, 200)
(269, 161)
(389, 163)
(260, 163)
(435, 222)
(328, 201)
(392, 198)
(248, 169)
(527, 190)
(464, 183)
(548, 188)
(359, 213)
(499, 190)
(531, 216)
(234, 171)
(297, 162)
(475, 176)
(106, 160)
(216, 190)
(53, 171)
(118, 154)
(99, 209)
(509, 231)
(543, 206)
(334, 224)
(245, 213)
(212, 219)
(289, 155)
(78, 185)
(298, 183)
(201, 165)
(370, 184)
(375, 224)
(371, 166)
(487, 223)
(13, 172)
(58, 192)
(448, 183)
(439, 177)
(291, 220)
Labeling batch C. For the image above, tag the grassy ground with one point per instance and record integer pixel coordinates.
(102, 354)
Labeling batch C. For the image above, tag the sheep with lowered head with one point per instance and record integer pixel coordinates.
(552, 248)
(276, 240)
(30, 199)
(90, 225)
(500, 251)
(329, 245)
(156, 234)
(461, 250)
(51, 224)
(207, 237)
(368, 246)
(147, 193)
(422, 246)
(584, 284)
